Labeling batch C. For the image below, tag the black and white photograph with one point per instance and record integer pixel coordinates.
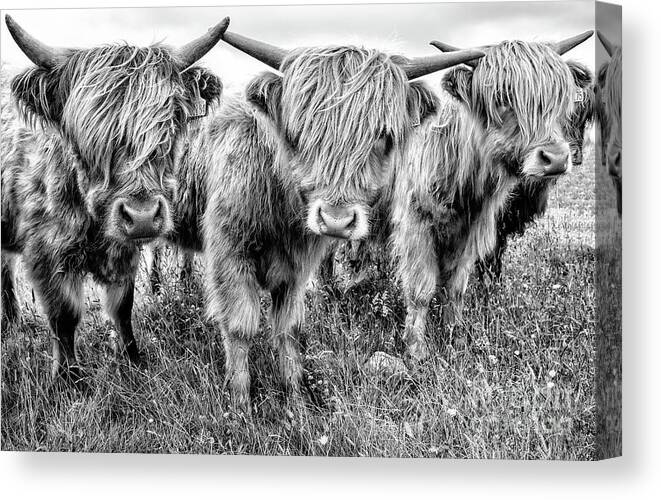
(363, 230)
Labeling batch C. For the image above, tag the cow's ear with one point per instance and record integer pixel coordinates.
(458, 83)
(201, 82)
(581, 73)
(264, 93)
(38, 95)
(422, 103)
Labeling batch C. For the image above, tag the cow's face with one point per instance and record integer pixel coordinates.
(612, 95)
(522, 94)
(122, 111)
(343, 115)
(583, 110)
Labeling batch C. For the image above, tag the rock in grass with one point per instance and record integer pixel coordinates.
(386, 366)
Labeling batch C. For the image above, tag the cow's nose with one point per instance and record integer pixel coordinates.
(615, 162)
(141, 220)
(554, 160)
(337, 221)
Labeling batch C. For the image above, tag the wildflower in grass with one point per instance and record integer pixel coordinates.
(550, 385)
(151, 420)
(552, 373)
(323, 440)
(451, 411)
(492, 359)
(517, 353)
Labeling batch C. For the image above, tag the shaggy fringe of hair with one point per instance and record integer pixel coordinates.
(540, 80)
(338, 101)
(613, 89)
(134, 108)
(584, 110)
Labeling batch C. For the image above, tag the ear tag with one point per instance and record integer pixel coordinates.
(199, 109)
(580, 95)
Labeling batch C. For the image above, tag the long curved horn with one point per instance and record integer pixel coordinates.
(268, 54)
(39, 53)
(421, 66)
(446, 47)
(568, 44)
(193, 51)
(606, 43)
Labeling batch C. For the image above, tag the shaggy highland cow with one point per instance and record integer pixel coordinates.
(529, 199)
(611, 92)
(507, 123)
(271, 181)
(600, 112)
(94, 178)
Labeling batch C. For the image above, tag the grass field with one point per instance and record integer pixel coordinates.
(524, 387)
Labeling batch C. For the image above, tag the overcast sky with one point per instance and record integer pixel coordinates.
(401, 28)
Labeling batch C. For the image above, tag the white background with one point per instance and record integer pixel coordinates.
(398, 28)
(636, 475)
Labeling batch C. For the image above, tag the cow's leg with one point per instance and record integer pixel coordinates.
(119, 306)
(233, 302)
(287, 315)
(496, 263)
(186, 273)
(61, 296)
(452, 312)
(10, 309)
(418, 271)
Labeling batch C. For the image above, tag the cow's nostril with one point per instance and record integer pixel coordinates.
(352, 222)
(544, 157)
(158, 213)
(125, 215)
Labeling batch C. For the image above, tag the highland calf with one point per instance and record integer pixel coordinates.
(272, 181)
(94, 178)
(508, 122)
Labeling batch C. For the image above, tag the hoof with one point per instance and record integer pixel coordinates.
(72, 377)
(418, 351)
(137, 360)
(241, 405)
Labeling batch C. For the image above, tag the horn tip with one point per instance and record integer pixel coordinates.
(10, 21)
(439, 45)
(220, 28)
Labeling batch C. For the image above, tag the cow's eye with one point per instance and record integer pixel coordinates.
(384, 144)
(503, 110)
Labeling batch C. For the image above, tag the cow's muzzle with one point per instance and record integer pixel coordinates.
(141, 220)
(338, 221)
(553, 159)
(548, 161)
